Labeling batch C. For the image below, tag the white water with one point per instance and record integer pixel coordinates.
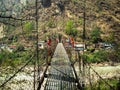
(104, 71)
(22, 81)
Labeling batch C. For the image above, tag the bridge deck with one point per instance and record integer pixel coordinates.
(60, 75)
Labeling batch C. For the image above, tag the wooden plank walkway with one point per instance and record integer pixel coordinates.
(60, 75)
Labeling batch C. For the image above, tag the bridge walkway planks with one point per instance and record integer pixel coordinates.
(60, 75)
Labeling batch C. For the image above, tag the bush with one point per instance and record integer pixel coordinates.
(6, 58)
(95, 34)
(101, 85)
(29, 26)
(13, 59)
(96, 57)
(70, 29)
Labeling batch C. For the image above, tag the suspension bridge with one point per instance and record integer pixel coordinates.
(59, 74)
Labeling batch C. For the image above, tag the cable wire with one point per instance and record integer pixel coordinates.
(5, 82)
(101, 77)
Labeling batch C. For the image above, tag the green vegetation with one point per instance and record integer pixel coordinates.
(6, 58)
(95, 34)
(110, 38)
(80, 21)
(9, 28)
(101, 55)
(51, 24)
(70, 28)
(96, 57)
(13, 58)
(20, 56)
(29, 26)
(100, 85)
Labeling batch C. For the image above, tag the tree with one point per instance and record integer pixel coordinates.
(29, 26)
(95, 34)
(70, 28)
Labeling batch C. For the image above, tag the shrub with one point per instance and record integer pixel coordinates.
(101, 85)
(70, 29)
(29, 26)
(95, 34)
(6, 58)
(96, 57)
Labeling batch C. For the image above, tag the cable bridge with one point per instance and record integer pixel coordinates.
(60, 75)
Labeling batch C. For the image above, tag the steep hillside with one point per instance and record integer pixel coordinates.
(101, 13)
(104, 13)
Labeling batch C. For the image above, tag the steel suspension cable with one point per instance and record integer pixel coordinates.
(101, 77)
(5, 82)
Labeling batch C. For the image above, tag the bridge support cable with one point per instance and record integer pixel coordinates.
(86, 66)
(81, 66)
(43, 74)
(78, 58)
(89, 75)
(77, 79)
(101, 77)
(5, 82)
